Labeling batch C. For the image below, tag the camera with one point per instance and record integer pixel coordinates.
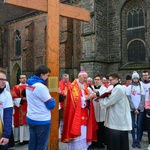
(97, 94)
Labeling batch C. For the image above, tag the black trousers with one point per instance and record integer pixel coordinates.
(117, 140)
(100, 135)
(4, 147)
(11, 140)
(148, 128)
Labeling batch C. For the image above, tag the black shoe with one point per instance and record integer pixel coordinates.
(16, 142)
(134, 145)
(101, 147)
(21, 143)
(138, 145)
(91, 147)
(25, 142)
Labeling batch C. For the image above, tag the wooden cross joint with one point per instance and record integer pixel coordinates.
(64, 10)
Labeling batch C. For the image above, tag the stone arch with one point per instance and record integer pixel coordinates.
(16, 71)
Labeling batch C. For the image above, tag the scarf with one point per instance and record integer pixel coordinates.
(135, 83)
(145, 81)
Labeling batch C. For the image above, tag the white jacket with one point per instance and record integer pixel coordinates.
(99, 111)
(118, 115)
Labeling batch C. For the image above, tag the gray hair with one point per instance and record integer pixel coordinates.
(89, 79)
(65, 74)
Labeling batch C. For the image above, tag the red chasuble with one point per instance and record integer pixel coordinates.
(63, 89)
(75, 116)
(20, 112)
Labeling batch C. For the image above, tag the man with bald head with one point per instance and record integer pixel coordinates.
(79, 119)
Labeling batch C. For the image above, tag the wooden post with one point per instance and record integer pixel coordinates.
(52, 61)
(54, 9)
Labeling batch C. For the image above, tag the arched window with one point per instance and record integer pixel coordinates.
(136, 30)
(130, 20)
(136, 51)
(17, 43)
(135, 17)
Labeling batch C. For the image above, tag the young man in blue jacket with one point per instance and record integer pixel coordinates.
(40, 103)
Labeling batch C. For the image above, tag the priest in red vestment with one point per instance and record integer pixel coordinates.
(21, 128)
(79, 120)
(63, 89)
(64, 83)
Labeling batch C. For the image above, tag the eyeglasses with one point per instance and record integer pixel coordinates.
(1, 79)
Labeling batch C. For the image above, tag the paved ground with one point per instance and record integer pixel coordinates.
(62, 146)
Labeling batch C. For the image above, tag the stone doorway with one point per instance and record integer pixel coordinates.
(15, 73)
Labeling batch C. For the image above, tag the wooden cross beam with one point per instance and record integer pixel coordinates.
(64, 10)
(54, 9)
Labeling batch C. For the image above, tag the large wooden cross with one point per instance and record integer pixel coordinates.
(54, 9)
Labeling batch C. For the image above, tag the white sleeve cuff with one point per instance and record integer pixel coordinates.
(83, 102)
(17, 102)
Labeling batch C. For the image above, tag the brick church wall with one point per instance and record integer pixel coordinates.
(32, 31)
(99, 47)
(94, 39)
(33, 47)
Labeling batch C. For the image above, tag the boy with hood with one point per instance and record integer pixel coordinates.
(40, 103)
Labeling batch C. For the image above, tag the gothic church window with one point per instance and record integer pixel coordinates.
(135, 17)
(136, 51)
(17, 43)
(136, 34)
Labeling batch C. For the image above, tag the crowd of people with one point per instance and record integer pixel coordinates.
(94, 112)
(26, 108)
(99, 112)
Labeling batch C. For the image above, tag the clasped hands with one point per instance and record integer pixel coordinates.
(91, 96)
(136, 112)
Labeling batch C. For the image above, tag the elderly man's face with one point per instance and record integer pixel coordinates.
(89, 82)
(66, 78)
(83, 78)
